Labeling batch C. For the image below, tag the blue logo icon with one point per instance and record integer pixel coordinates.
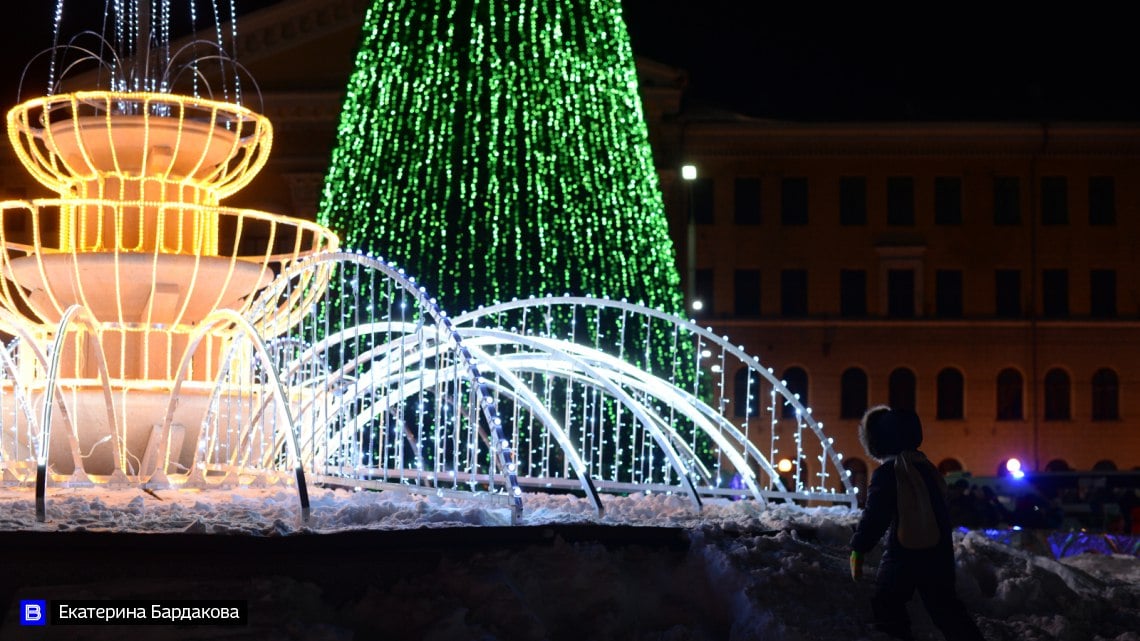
(33, 612)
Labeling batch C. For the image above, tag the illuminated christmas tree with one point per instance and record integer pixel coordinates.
(498, 149)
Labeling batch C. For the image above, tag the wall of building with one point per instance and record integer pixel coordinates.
(978, 341)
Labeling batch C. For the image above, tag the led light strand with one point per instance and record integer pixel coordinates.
(501, 151)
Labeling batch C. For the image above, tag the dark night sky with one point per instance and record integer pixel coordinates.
(819, 63)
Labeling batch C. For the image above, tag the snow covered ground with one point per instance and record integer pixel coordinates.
(743, 573)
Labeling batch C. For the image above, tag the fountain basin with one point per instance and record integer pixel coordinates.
(80, 443)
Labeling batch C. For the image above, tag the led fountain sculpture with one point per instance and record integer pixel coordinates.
(176, 341)
(129, 280)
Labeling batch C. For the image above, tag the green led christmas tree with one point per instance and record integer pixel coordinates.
(497, 149)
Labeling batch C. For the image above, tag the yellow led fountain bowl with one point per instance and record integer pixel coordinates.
(139, 242)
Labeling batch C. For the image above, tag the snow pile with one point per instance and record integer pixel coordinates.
(275, 511)
(747, 573)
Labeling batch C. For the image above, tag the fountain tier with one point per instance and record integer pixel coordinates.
(143, 246)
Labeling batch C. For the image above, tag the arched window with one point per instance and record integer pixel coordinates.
(1105, 395)
(1057, 395)
(1009, 395)
(951, 394)
(852, 393)
(746, 397)
(1058, 465)
(901, 389)
(797, 380)
(858, 477)
(949, 466)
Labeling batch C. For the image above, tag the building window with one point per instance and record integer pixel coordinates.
(704, 289)
(947, 200)
(1007, 200)
(746, 201)
(858, 477)
(701, 201)
(951, 394)
(1055, 293)
(746, 385)
(901, 388)
(852, 293)
(949, 466)
(948, 293)
(1009, 394)
(796, 380)
(1057, 395)
(1102, 293)
(1054, 200)
(1058, 465)
(900, 293)
(852, 200)
(794, 201)
(1105, 395)
(1007, 293)
(794, 292)
(900, 200)
(852, 393)
(1102, 200)
(746, 291)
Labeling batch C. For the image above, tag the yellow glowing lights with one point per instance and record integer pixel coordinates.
(138, 228)
(90, 143)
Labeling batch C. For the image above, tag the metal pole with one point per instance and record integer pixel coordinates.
(689, 174)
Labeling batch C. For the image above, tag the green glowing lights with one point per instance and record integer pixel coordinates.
(498, 150)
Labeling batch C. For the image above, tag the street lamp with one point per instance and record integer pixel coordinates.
(689, 174)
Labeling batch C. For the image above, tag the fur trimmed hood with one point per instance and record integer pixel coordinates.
(876, 439)
(885, 433)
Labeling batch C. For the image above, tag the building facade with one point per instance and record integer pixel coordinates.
(983, 274)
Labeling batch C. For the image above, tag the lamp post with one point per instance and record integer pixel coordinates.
(689, 174)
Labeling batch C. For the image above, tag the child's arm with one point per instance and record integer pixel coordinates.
(878, 512)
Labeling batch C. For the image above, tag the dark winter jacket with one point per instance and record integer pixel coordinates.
(881, 512)
(887, 439)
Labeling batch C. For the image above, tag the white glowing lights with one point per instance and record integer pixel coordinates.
(137, 307)
(1013, 467)
(213, 367)
(136, 53)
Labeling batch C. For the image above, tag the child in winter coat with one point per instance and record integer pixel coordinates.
(906, 499)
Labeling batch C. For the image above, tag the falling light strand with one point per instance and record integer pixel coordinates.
(499, 150)
(136, 52)
(515, 162)
(57, 21)
(233, 52)
(165, 84)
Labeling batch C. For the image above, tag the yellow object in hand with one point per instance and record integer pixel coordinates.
(856, 565)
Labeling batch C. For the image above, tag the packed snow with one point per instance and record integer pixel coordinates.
(747, 572)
